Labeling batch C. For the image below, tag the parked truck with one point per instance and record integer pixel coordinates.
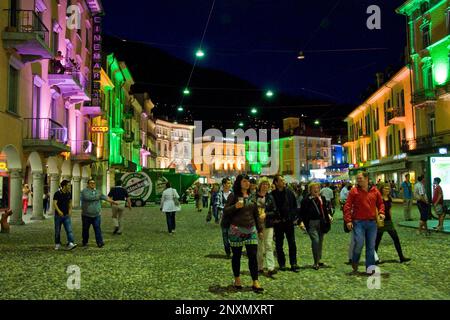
(148, 185)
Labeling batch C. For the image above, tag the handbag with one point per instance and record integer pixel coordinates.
(325, 224)
(176, 201)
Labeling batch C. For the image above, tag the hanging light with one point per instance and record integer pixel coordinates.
(301, 56)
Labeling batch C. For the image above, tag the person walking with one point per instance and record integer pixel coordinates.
(438, 203)
(243, 231)
(26, 192)
(46, 200)
(281, 204)
(423, 205)
(91, 210)
(266, 259)
(222, 198)
(360, 215)
(205, 195)
(388, 227)
(62, 201)
(406, 187)
(344, 194)
(120, 195)
(316, 219)
(328, 194)
(170, 205)
(197, 197)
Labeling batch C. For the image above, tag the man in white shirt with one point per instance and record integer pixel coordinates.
(329, 196)
(423, 204)
(344, 194)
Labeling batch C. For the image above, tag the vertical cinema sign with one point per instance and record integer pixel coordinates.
(96, 61)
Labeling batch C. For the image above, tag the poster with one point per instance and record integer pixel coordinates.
(440, 167)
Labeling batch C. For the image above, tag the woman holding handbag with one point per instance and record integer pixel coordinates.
(388, 225)
(316, 219)
(170, 204)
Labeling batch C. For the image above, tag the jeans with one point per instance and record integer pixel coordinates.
(67, 222)
(280, 229)
(170, 217)
(205, 201)
(96, 224)
(352, 247)
(316, 240)
(215, 212)
(252, 260)
(265, 250)
(364, 231)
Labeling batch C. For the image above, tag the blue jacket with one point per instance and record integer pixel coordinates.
(91, 202)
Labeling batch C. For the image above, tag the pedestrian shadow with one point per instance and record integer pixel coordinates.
(384, 275)
(223, 291)
(389, 261)
(217, 256)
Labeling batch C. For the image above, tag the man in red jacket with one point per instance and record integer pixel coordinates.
(360, 215)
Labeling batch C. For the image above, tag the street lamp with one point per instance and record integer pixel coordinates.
(301, 56)
(180, 109)
(254, 111)
(241, 124)
(200, 53)
(269, 94)
(186, 92)
(317, 122)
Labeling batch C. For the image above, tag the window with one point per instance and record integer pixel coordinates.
(13, 89)
(55, 42)
(432, 124)
(426, 38)
(424, 7)
(448, 21)
(429, 77)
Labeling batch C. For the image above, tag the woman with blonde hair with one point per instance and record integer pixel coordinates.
(266, 259)
(316, 219)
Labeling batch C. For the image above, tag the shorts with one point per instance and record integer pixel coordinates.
(439, 209)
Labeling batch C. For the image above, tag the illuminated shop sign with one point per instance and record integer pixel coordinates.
(100, 129)
(96, 61)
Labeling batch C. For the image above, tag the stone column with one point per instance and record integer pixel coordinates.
(54, 186)
(38, 194)
(84, 183)
(76, 192)
(16, 197)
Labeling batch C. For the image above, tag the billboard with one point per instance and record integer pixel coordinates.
(440, 168)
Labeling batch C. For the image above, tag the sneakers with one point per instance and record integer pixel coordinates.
(71, 246)
(101, 245)
(57, 247)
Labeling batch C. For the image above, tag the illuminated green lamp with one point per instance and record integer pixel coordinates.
(254, 111)
(200, 53)
(241, 124)
(180, 109)
(269, 94)
(441, 73)
(186, 92)
(317, 122)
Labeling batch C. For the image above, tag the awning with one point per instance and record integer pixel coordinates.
(388, 167)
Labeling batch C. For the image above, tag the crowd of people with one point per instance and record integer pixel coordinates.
(258, 214)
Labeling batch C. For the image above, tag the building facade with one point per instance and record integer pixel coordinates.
(378, 128)
(429, 50)
(47, 69)
(221, 158)
(174, 143)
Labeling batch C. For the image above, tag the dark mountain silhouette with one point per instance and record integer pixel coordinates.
(221, 100)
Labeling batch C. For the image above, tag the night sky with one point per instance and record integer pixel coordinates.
(259, 40)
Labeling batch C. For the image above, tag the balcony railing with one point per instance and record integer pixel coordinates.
(427, 142)
(420, 97)
(28, 35)
(44, 135)
(44, 129)
(27, 21)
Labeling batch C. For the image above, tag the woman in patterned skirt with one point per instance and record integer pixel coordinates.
(244, 228)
